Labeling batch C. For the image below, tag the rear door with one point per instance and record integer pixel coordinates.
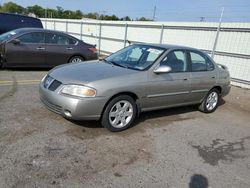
(59, 48)
(203, 76)
(29, 52)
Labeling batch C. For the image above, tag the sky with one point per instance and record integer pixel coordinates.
(166, 10)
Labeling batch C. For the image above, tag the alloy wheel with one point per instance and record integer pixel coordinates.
(212, 101)
(121, 114)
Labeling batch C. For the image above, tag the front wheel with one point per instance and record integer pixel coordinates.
(119, 114)
(210, 102)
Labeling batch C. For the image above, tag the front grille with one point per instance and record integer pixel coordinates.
(54, 85)
(51, 83)
(52, 107)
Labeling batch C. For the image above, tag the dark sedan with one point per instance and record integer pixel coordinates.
(35, 47)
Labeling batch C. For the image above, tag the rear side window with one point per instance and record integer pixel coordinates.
(200, 62)
(52, 38)
(72, 41)
(35, 38)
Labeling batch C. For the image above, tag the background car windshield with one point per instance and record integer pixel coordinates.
(8, 35)
(137, 57)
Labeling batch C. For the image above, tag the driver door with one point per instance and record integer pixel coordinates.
(30, 51)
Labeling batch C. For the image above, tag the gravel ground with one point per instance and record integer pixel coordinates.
(178, 147)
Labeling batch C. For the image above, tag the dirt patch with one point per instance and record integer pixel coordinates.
(221, 150)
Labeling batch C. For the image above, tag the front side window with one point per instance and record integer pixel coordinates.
(35, 38)
(176, 60)
(52, 38)
(136, 56)
(200, 62)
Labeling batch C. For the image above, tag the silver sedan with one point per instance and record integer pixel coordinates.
(138, 78)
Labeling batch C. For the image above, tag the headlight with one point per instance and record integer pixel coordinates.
(44, 78)
(78, 91)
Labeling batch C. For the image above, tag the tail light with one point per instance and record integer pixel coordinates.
(93, 50)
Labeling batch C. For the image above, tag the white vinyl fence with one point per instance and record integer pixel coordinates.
(231, 48)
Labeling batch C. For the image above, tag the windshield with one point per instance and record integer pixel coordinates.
(138, 57)
(8, 35)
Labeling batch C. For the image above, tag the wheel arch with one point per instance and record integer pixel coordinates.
(219, 88)
(74, 55)
(129, 93)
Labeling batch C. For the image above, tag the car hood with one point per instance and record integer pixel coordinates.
(86, 72)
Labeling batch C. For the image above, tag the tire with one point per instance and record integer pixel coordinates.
(1, 64)
(76, 59)
(115, 119)
(210, 102)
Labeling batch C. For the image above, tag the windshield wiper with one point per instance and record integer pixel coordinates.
(114, 63)
(117, 64)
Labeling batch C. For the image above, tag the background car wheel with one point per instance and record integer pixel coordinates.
(76, 59)
(210, 102)
(1, 64)
(119, 113)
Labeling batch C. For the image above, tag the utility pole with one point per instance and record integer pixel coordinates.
(98, 38)
(217, 33)
(154, 14)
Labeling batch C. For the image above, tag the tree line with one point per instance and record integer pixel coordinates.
(59, 12)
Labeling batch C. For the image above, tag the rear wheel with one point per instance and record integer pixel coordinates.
(76, 59)
(119, 114)
(210, 102)
(1, 63)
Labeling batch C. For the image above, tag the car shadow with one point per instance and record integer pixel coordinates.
(25, 69)
(147, 115)
(143, 116)
(87, 124)
(165, 113)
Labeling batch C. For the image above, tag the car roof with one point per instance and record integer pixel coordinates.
(33, 29)
(26, 29)
(168, 46)
(17, 15)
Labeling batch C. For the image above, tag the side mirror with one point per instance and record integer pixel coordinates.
(162, 69)
(15, 41)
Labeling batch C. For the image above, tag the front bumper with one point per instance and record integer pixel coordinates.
(72, 108)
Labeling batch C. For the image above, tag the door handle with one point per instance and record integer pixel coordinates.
(213, 76)
(69, 48)
(185, 79)
(40, 48)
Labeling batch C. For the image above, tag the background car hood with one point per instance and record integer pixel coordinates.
(87, 72)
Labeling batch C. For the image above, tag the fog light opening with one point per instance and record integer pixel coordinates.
(67, 113)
